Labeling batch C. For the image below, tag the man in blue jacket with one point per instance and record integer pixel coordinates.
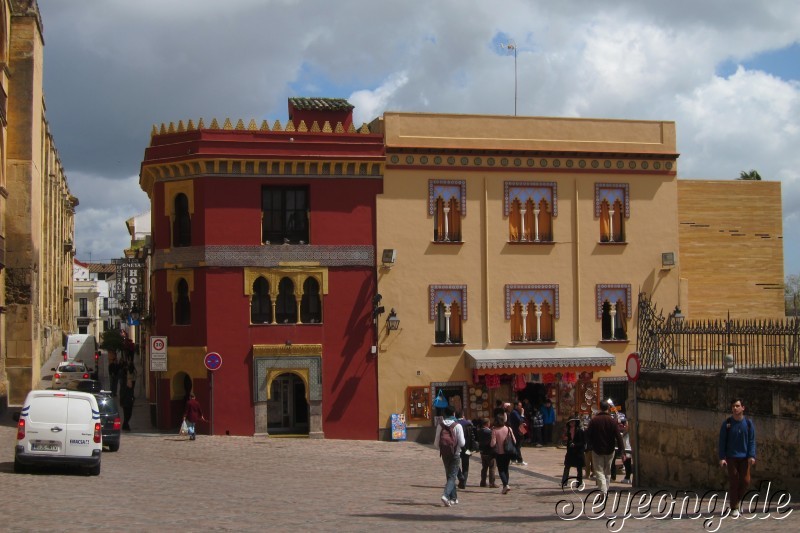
(549, 419)
(737, 452)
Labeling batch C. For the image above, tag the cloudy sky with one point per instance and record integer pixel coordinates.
(726, 71)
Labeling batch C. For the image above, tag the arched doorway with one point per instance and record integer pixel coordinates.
(287, 407)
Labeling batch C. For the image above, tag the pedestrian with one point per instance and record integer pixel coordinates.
(503, 452)
(466, 450)
(537, 423)
(737, 452)
(548, 421)
(516, 419)
(449, 440)
(113, 368)
(192, 415)
(576, 443)
(131, 376)
(499, 409)
(622, 422)
(603, 435)
(488, 462)
(126, 401)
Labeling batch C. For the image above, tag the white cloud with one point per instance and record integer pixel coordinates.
(135, 64)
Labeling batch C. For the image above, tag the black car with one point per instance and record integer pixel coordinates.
(85, 385)
(109, 416)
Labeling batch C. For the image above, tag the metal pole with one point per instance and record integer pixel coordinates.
(636, 441)
(515, 80)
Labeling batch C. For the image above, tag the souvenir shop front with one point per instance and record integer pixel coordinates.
(566, 376)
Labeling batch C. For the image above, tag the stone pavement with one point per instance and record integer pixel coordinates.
(161, 481)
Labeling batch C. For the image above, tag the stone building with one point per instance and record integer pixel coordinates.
(36, 212)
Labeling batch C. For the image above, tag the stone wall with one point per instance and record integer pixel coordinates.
(680, 416)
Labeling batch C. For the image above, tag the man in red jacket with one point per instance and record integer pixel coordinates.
(193, 414)
(603, 435)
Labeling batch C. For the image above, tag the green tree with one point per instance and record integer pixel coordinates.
(112, 340)
(791, 290)
(753, 175)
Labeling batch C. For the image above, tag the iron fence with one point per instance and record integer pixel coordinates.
(756, 345)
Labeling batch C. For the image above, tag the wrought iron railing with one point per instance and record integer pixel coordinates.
(756, 345)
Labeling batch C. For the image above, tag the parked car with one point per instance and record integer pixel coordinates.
(59, 427)
(85, 385)
(112, 423)
(66, 372)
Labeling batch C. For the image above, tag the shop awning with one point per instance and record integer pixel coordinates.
(502, 361)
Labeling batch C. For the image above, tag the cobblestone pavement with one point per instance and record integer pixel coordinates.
(163, 482)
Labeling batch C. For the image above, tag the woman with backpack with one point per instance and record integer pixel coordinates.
(504, 447)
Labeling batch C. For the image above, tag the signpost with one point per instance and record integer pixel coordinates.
(213, 361)
(158, 354)
(633, 368)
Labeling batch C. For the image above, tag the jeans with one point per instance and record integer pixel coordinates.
(488, 465)
(190, 425)
(451, 466)
(463, 472)
(502, 467)
(547, 434)
(601, 466)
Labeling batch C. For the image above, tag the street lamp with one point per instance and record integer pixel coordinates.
(511, 45)
(392, 323)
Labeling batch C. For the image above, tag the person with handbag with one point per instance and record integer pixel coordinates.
(192, 415)
(516, 421)
(504, 447)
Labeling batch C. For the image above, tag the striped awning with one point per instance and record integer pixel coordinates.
(539, 360)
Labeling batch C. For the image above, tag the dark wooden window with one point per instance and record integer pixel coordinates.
(284, 217)
(182, 226)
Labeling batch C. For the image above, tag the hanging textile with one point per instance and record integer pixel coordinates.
(519, 382)
(492, 381)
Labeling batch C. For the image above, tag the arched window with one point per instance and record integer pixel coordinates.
(183, 310)
(447, 220)
(532, 324)
(448, 324)
(261, 303)
(182, 224)
(286, 304)
(614, 321)
(612, 222)
(310, 305)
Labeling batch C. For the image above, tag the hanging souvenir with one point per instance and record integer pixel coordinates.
(440, 402)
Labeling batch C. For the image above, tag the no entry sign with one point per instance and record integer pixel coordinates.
(633, 366)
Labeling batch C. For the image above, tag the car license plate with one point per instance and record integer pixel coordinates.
(38, 446)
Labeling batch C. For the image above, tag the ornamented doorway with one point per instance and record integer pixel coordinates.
(287, 408)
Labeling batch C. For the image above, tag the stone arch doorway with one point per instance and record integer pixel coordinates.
(287, 405)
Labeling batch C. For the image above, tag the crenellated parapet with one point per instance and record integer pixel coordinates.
(228, 125)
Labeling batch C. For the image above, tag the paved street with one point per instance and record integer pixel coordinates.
(166, 482)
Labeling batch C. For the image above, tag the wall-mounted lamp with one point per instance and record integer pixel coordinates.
(392, 322)
(677, 314)
(388, 257)
(667, 260)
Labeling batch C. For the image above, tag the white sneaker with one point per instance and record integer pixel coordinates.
(523, 463)
(446, 501)
(506, 488)
(454, 502)
(735, 513)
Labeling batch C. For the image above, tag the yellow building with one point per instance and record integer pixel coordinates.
(36, 212)
(514, 249)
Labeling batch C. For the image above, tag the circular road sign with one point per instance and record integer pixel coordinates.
(158, 344)
(213, 361)
(633, 366)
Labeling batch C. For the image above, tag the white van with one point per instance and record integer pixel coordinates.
(81, 348)
(59, 427)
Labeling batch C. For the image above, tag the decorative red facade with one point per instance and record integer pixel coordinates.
(263, 251)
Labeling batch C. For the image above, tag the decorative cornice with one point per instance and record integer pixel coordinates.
(264, 256)
(498, 160)
(300, 127)
(288, 350)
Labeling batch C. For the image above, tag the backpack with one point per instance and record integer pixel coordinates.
(469, 435)
(447, 441)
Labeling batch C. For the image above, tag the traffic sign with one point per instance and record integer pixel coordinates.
(213, 361)
(633, 366)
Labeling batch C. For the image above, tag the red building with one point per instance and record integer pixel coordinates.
(263, 252)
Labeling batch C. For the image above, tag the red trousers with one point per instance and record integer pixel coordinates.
(739, 479)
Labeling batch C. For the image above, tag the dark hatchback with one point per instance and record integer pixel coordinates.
(110, 419)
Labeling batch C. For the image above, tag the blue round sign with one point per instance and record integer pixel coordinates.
(213, 361)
